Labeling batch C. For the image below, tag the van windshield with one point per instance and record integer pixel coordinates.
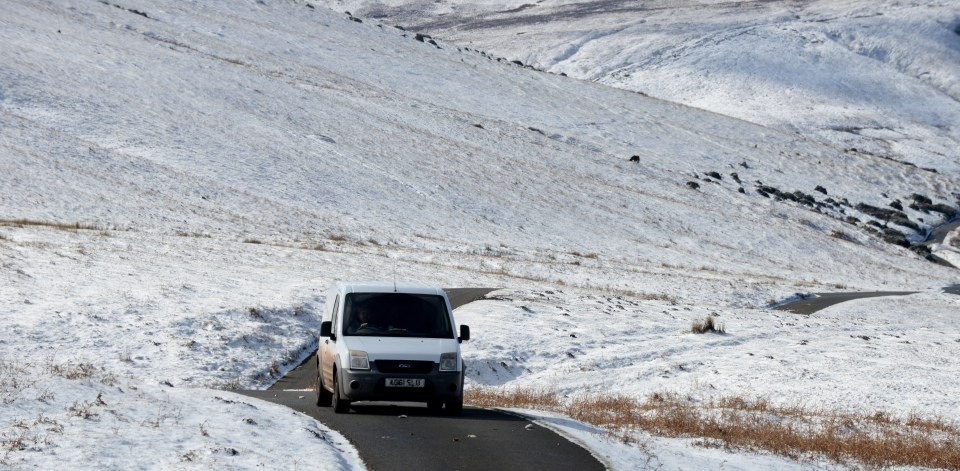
(396, 315)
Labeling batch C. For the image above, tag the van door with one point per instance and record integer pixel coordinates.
(328, 346)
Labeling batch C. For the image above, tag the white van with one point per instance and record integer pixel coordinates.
(383, 341)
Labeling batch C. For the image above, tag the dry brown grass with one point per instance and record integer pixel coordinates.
(875, 440)
(81, 371)
(522, 398)
(643, 295)
(57, 225)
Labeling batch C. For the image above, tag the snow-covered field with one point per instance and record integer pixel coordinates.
(226, 160)
(878, 76)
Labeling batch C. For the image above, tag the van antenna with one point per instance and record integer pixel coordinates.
(394, 275)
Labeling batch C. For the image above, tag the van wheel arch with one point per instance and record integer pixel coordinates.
(324, 397)
(340, 405)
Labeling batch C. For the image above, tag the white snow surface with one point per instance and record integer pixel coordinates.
(179, 182)
(877, 76)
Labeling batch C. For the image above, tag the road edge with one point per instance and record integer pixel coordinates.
(560, 432)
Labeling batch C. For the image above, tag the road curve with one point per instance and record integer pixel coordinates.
(405, 436)
(824, 300)
(399, 436)
(937, 236)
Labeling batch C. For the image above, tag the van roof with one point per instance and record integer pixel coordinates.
(388, 287)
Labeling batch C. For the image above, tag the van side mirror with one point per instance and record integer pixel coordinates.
(464, 333)
(326, 330)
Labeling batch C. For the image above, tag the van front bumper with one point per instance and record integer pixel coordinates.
(371, 386)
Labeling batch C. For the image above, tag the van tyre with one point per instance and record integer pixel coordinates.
(324, 397)
(340, 405)
(455, 407)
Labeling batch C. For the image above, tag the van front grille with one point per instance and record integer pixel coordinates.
(404, 366)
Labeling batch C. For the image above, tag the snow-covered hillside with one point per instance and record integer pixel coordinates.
(877, 76)
(179, 182)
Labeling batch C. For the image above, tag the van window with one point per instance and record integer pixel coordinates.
(396, 315)
(333, 316)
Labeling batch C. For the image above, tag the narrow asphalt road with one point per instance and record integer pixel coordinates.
(824, 300)
(407, 436)
(400, 436)
(939, 233)
(937, 236)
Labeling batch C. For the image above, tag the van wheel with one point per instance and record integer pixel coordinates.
(435, 405)
(324, 397)
(340, 405)
(455, 407)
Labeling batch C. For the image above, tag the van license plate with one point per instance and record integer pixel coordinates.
(405, 382)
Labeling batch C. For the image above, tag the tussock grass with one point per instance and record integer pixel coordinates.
(709, 324)
(878, 440)
(14, 378)
(81, 371)
(73, 370)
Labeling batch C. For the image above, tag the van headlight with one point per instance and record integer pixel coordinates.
(359, 360)
(448, 361)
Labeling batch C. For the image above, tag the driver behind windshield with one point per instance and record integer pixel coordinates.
(363, 316)
(363, 319)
